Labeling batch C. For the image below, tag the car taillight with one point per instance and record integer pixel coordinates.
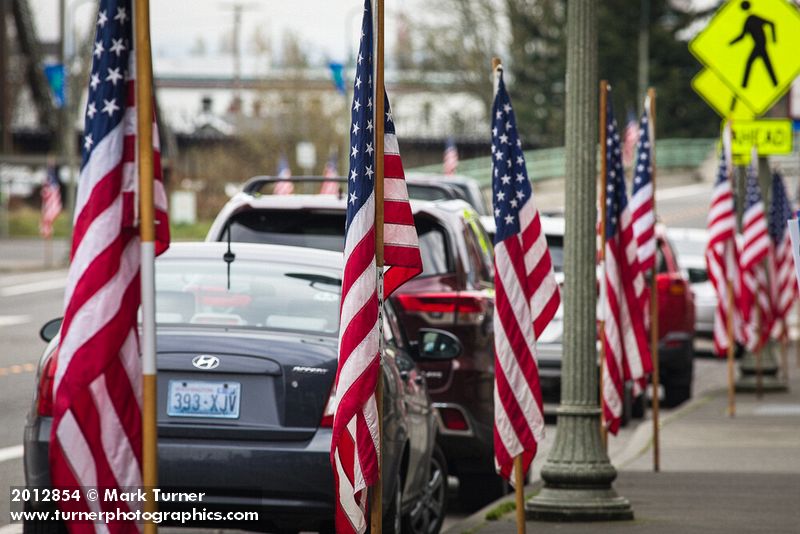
(44, 404)
(327, 415)
(671, 286)
(453, 419)
(445, 306)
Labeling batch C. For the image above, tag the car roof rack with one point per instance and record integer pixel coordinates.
(254, 185)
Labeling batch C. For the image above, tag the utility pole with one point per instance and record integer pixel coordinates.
(644, 52)
(237, 9)
(578, 475)
(5, 97)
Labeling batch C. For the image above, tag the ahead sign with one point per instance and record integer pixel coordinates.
(769, 136)
(752, 46)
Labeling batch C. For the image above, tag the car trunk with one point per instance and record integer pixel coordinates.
(262, 387)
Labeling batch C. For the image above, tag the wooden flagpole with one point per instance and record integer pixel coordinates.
(603, 174)
(785, 350)
(759, 348)
(731, 350)
(731, 315)
(376, 506)
(656, 378)
(144, 121)
(519, 475)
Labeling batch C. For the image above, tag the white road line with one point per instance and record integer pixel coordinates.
(10, 453)
(684, 191)
(14, 279)
(33, 287)
(13, 320)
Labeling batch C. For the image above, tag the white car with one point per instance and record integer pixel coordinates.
(690, 245)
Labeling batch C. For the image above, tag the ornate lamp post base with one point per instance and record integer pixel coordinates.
(748, 371)
(578, 474)
(573, 504)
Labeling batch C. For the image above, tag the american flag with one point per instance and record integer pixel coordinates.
(330, 187)
(627, 354)
(642, 198)
(722, 258)
(51, 202)
(526, 294)
(450, 164)
(755, 297)
(354, 442)
(631, 138)
(284, 187)
(784, 282)
(96, 437)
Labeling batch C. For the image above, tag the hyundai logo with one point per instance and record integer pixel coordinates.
(205, 362)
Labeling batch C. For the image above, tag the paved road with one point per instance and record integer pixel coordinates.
(27, 300)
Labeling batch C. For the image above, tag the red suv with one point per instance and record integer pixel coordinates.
(675, 327)
(455, 293)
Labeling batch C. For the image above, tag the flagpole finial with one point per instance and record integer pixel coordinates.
(496, 63)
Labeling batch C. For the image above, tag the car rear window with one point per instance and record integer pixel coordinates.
(556, 245)
(425, 192)
(247, 294)
(288, 227)
(322, 230)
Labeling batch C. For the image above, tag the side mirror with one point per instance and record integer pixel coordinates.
(50, 329)
(437, 345)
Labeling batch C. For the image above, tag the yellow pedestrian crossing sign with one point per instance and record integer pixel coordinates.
(719, 96)
(752, 46)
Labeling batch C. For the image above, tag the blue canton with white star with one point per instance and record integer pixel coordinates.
(644, 165)
(510, 185)
(722, 171)
(752, 192)
(107, 94)
(616, 196)
(780, 210)
(361, 177)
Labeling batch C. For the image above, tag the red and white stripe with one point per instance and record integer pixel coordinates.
(450, 162)
(51, 207)
(755, 246)
(284, 187)
(329, 187)
(355, 445)
(355, 437)
(644, 226)
(784, 287)
(755, 304)
(722, 258)
(627, 353)
(400, 242)
(526, 299)
(96, 433)
(759, 320)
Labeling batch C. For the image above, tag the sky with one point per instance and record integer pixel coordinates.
(325, 27)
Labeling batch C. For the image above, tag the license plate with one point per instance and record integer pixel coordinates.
(196, 398)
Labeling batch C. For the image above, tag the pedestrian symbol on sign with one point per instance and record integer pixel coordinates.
(751, 47)
(754, 26)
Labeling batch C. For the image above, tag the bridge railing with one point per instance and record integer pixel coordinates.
(549, 163)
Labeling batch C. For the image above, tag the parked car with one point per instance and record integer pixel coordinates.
(690, 243)
(675, 328)
(430, 187)
(454, 293)
(269, 325)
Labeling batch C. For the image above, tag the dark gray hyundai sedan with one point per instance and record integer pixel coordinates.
(247, 355)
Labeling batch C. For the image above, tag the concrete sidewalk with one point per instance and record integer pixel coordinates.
(29, 254)
(718, 474)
